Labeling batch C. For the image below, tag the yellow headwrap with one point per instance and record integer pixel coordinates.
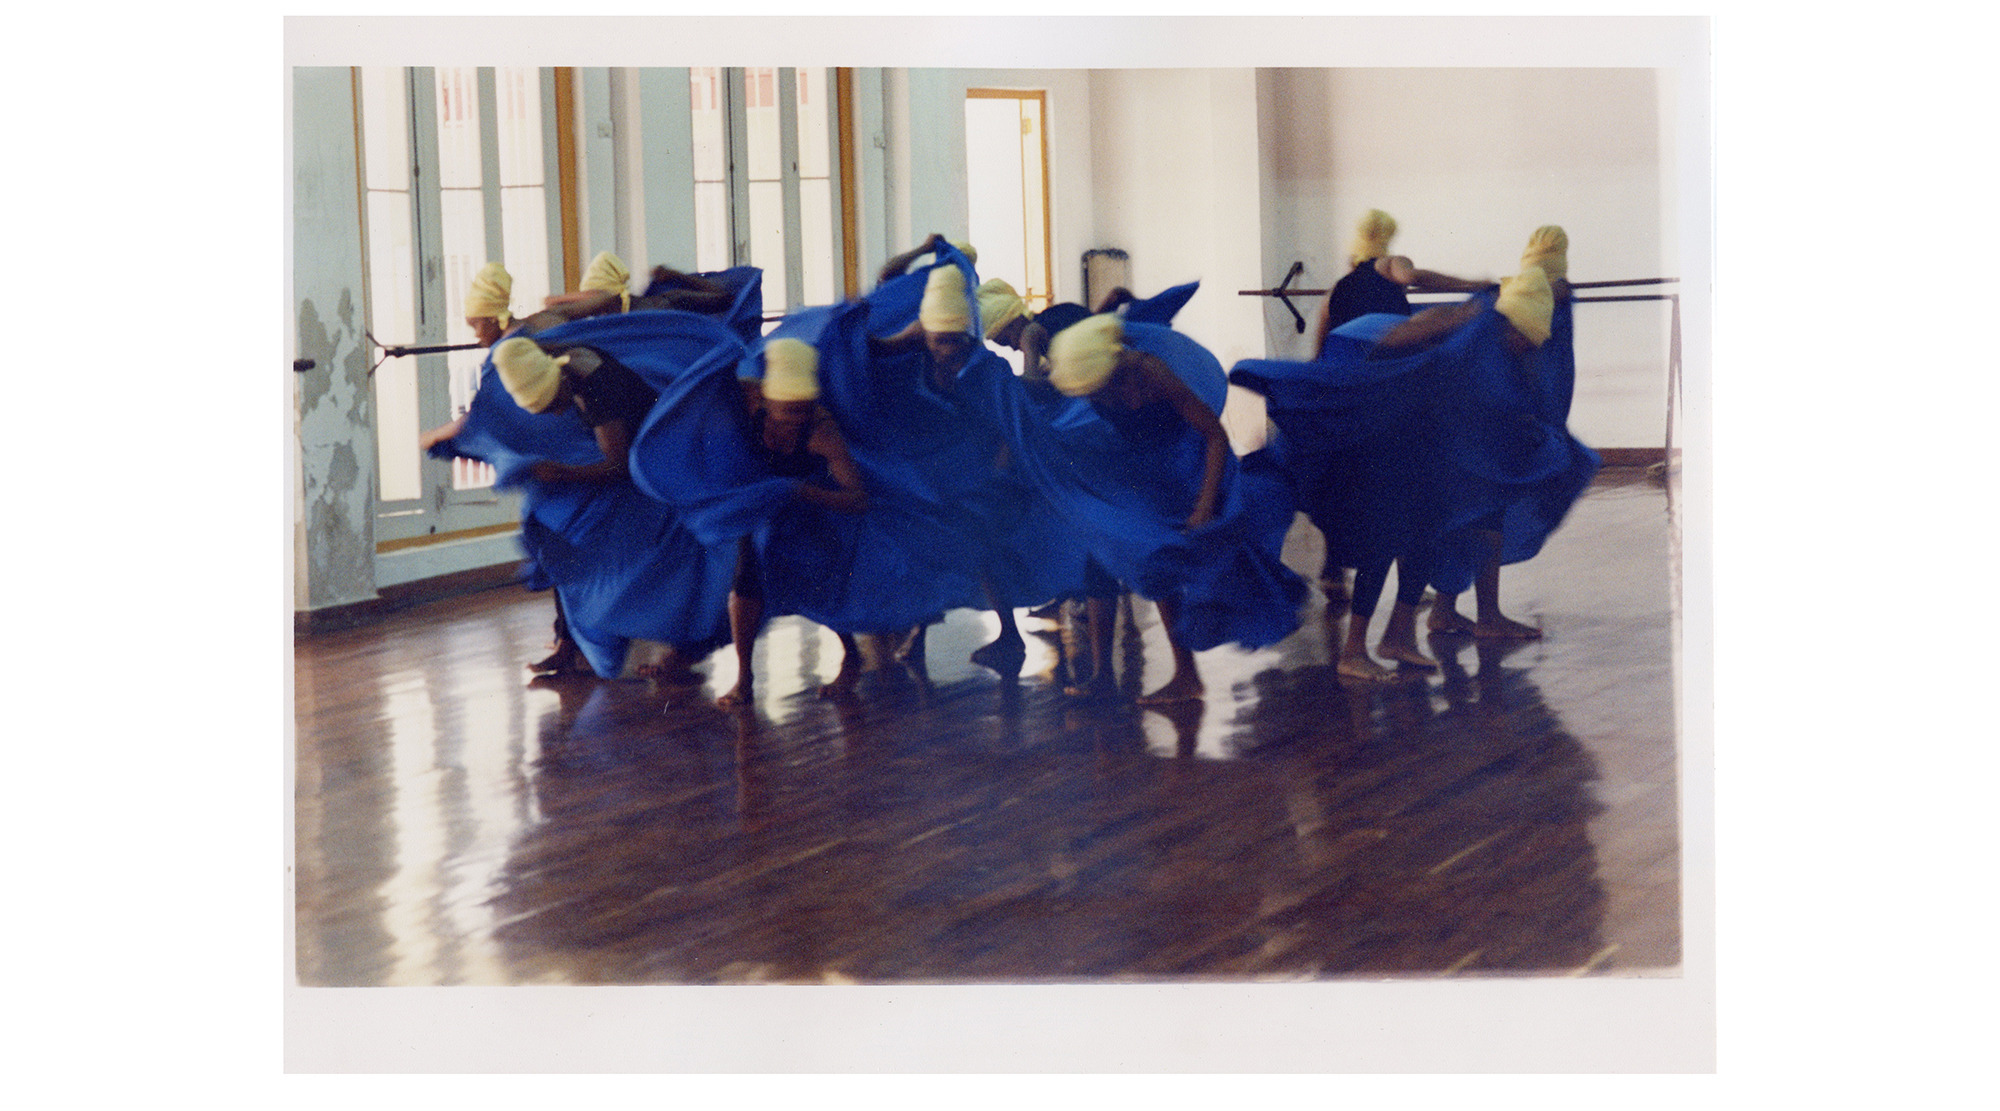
(999, 305)
(1083, 355)
(791, 370)
(1548, 248)
(1371, 237)
(970, 252)
(608, 275)
(1527, 303)
(530, 375)
(491, 293)
(944, 308)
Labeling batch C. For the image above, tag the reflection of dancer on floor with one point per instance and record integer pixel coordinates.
(798, 439)
(1528, 302)
(1135, 389)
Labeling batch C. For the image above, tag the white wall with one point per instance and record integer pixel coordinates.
(1176, 187)
(1469, 161)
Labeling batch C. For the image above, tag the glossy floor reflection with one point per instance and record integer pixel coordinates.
(1515, 814)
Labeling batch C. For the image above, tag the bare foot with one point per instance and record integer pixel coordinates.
(736, 697)
(1180, 688)
(1005, 655)
(1405, 654)
(1503, 628)
(844, 681)
(566, 659)
(1365, 669)
(1449, 620)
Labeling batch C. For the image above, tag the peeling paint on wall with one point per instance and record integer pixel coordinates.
(335, 418)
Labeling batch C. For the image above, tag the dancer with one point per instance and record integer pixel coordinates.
(796, 439)
(554, 424)
(1377, 282)
(1139, 468)
(1436, 437)
(1009, 323)
(1538, 303)
(963, 460)
(605, 288)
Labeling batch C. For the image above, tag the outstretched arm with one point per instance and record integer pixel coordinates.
(1119, 295)
(895, 267)
(909, 339)
(614, 439)
(1405, 273)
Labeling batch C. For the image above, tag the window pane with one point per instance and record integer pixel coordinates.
(816, 238)
(520, 112)
(385, 126)
(767, 238)
(762, 121)
(392, 319)
(712, 250)
(813, 146)
(458, 128)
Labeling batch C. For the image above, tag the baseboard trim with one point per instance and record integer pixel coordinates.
(1632, 456)
(402, 596)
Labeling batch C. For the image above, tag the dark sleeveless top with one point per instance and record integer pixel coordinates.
(1364, 290)
(1057, 317)
(614, 392)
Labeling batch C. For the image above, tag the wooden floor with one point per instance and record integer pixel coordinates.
(1517, 814)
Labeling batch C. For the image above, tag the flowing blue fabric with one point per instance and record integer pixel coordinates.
(1123, 494)
(1400, 452)
(899, 563)
(1160, 307)
(745, 315)
(624, 564)
(893, 304)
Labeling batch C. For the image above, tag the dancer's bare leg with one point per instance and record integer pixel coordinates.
(746, 617)
(1491, 623)
(1007, 651)
(1333, 580)
(1445, 617)
(913, 645)
(1399, 638)
(1184, 685)
(1355, 662)
(850, 670)
(1099, 615)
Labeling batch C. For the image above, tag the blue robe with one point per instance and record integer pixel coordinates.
(897, 564)
(1395, 452)
(623, 563)
(1124, 484)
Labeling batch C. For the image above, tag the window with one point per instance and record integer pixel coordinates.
(455, 167)
(766, 164)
